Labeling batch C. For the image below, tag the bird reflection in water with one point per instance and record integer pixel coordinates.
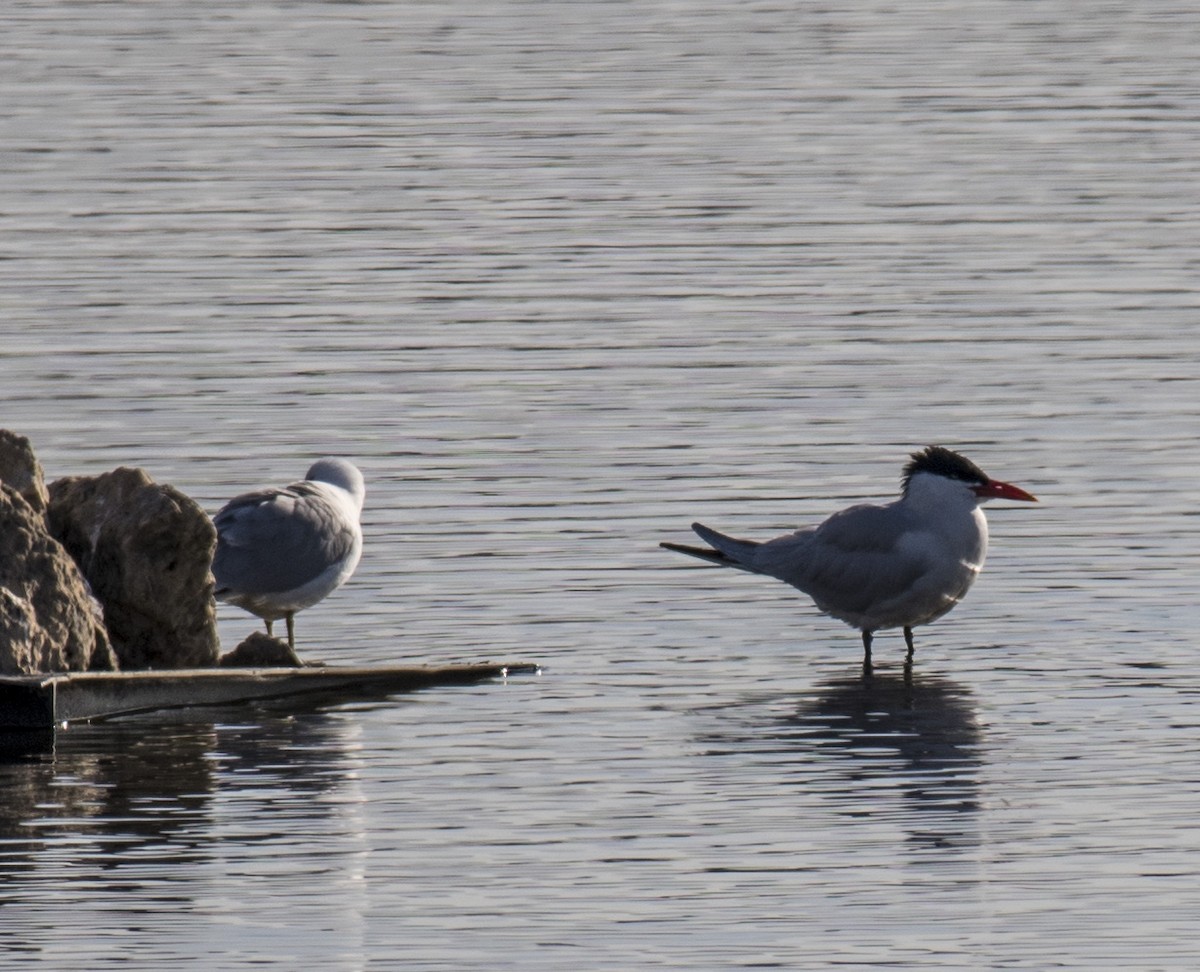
(148, 784)
(857, 742)
(920, 733)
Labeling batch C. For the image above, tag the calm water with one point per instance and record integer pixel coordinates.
(563, 277)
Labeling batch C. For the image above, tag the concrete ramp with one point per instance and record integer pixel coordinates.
(44, 701)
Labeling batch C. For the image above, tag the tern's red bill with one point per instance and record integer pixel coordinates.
(994, 489)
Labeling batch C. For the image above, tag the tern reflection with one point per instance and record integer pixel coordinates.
(920, 733)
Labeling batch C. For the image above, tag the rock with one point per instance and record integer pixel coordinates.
(48, 620)
(19, 634)
(261, 651)
(20, 469)
(146, 550)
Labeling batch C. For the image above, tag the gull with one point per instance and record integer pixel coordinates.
(283, 549)
(899, 565)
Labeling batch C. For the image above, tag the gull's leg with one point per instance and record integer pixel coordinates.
(291, 630)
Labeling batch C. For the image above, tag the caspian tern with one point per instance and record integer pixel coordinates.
(283, 549)
(894, 566)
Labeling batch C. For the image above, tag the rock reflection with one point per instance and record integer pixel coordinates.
(148, 789)
(21, 745)
(918, 732)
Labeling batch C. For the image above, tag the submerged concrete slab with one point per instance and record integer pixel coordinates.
(41, 701)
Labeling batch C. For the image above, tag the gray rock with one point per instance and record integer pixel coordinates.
(48, 621)
(146, 550)
(20, 469)
(20, 634)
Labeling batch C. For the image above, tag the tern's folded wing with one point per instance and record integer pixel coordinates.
(853, 562)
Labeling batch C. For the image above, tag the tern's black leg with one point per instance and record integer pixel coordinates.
(908, 641)
(867, 639)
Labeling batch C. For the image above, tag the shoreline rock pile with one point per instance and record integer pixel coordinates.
(101, 572)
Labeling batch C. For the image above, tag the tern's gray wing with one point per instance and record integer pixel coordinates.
(856, 560)
(277, 540)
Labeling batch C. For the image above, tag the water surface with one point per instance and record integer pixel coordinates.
(563, 278)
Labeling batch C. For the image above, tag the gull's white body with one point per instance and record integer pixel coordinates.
(283, 549)
(899, 565)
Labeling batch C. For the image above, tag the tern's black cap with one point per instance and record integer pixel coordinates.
(943, 462)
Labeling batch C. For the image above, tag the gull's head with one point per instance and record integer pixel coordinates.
(342, 474)
(948, 475)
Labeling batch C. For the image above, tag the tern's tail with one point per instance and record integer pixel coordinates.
(726, 551)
